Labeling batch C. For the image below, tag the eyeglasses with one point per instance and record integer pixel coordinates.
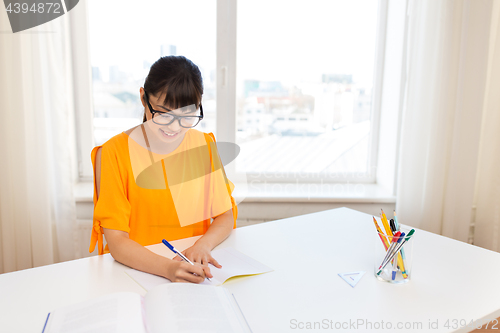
(166, 118)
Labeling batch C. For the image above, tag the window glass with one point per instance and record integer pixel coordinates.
(305, 74)
(127, 37)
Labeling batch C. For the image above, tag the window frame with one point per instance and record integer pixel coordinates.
(226, 101)
(84, 106)
(226, 60)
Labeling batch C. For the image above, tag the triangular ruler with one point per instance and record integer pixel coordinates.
(352, 278)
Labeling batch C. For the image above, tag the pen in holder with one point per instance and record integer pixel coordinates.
(393, 255)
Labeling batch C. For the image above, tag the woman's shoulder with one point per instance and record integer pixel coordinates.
(115, 145)
(201, 136)
(119, 140)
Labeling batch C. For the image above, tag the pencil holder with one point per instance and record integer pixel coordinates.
(391, 266)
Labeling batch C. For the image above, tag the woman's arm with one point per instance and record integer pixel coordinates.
(134, 255)
(218, 231)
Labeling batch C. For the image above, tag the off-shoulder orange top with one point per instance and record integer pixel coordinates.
(148, 213)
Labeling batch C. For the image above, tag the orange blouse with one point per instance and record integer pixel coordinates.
(152, 196)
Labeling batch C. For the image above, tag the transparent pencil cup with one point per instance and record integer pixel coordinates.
(398, 269)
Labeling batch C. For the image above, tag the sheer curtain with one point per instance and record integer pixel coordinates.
(487, 193)
(37, 163)
(451, 113)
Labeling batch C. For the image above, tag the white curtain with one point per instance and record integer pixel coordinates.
(451, 113)
(487, 194)
(37, 154)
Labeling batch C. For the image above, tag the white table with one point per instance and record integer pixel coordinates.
(451, 280)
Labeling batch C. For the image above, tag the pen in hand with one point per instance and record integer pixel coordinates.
(183, 257)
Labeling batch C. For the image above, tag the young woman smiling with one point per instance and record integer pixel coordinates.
(163, 180)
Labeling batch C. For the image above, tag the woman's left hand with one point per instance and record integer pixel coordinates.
(199, 253)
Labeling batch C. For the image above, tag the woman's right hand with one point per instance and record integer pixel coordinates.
(180, 271)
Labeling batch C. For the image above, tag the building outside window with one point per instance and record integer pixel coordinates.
(304, 78)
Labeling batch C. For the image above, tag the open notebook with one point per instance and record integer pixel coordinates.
(174, 307)
(234, 263)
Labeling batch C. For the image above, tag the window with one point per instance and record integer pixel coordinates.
(302, 89)
(122, 53)
(309, 68)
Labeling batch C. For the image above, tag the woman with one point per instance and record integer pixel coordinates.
(163, 179)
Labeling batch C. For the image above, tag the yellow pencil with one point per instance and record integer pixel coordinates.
(386, 224)
(381, 234)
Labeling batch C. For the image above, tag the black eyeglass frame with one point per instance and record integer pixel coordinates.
(176, 117)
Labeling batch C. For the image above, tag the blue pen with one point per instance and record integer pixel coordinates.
(395, 264)
(174, 250)
(396, 220)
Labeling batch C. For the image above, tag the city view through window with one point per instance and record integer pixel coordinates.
(304, 77)
(305, 85)
(123, 49)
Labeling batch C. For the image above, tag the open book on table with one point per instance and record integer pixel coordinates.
(233, 262)
(174, 307)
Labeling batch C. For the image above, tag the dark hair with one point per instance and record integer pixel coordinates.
(178, 79)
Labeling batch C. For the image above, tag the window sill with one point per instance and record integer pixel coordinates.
(84, 192)
(310, 192)
(289, 192)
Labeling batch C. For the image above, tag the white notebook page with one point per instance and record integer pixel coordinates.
(234, 263)
(186, 307)
(118, 312)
